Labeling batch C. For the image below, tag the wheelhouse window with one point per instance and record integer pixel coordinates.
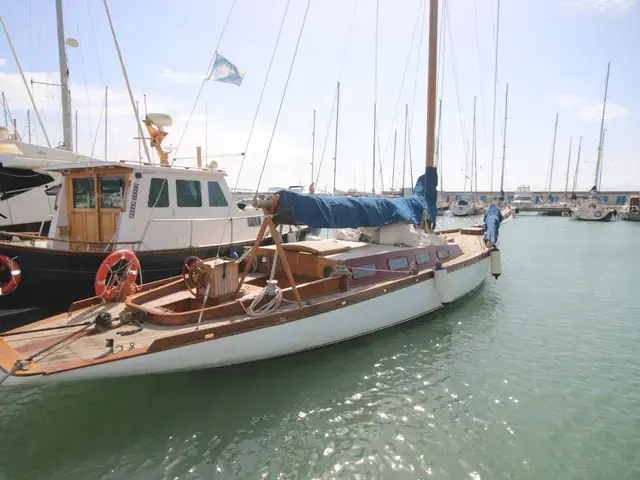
(188, 193)
(443, 253)
(158, 193)
(216, 195)
(254, 221)
(398, 263)
(423, 258)
(111, 192)
(364, 271)
(84, 192)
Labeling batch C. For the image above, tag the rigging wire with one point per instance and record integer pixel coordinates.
(404, 75)
(482, 102)
(495, 90)
(284, 93)
(375, 100)
(465, 137)
(204, 80)
(255, 118)
(84, 73)
(339, 76)
(415, 88)
(95, 139)
(326, 135)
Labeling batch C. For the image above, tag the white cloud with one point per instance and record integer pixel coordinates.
(3, 61)
(594, 112)
(225, 136)
(618, 6)
(587, 109)
(181, 77)
(567, 99)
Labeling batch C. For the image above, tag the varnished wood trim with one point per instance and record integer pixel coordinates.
(8, 358)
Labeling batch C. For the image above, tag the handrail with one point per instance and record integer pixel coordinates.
(260, 214)
(31, 236)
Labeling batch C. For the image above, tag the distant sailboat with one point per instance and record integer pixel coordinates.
(593, 209)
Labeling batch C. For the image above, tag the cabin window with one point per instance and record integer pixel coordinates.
(443, 253)
(188, 193)
(216, 195)
(84, 192)
(254, 221)
(111, 192)
(364, 271)
(423, 258)
(158, 193)
(398, 263)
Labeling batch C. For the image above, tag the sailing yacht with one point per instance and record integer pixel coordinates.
(300, 296)
(27, 191)
(593, 209)
(465, 206)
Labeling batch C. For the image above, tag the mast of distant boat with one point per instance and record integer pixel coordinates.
(575, 175)
(504, 143)
(604, 107)
(393, 167)
(566, 183)
(474, 164)
(604, 133)
(67, 143)
(375, 104)
(495, 91)
(106, 120)
(26, 85)
(404, 151)
(313, 145)
(335, 148)
(553, 156)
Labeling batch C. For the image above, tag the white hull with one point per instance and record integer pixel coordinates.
(30, 207)
(597, 214)
(335, 326)
(465, 210)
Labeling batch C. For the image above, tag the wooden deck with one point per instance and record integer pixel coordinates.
(87, 347)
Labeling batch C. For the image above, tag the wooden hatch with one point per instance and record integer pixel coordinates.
(95, 200)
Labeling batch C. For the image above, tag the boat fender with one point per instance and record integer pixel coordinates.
(597, 214)
(129, 284)
(443, 284)
(16, 274)
(495, 263)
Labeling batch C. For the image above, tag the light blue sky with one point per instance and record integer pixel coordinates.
(553, 54)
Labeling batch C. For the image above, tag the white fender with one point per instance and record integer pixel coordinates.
(496, 264)
(443, 285)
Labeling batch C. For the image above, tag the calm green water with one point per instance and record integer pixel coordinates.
(534, 376)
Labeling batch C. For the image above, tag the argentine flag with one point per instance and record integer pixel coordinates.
(225, 71)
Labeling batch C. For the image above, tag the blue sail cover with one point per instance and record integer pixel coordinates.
(431, 195)
(492, 221)
(350, 212)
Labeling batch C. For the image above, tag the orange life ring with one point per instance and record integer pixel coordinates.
(16, 275)
(126, 288)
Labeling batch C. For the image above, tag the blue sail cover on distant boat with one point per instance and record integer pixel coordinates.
(492, 221)
(349, 212)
